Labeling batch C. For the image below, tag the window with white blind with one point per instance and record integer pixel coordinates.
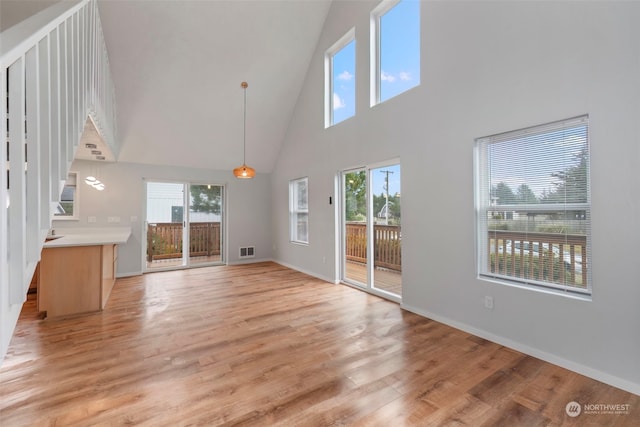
(299, 210)
(533, 206)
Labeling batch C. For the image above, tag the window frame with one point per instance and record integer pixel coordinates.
(71, 176)
(484, 205)
(295, 211)
(329, 85)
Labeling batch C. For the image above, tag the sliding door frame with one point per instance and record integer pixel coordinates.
(186, 261)
(370, 226)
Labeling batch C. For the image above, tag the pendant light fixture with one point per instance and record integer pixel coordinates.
(244, 171)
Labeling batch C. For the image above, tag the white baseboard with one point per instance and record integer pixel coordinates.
(595, 374)
(249, 261)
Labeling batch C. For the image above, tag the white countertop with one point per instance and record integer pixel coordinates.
(88, 237)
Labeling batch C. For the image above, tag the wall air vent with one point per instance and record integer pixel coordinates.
(247, 252)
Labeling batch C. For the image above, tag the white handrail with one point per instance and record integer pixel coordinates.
(54, 72)
(18, 39)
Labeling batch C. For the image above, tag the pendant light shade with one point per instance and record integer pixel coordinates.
(244, 171)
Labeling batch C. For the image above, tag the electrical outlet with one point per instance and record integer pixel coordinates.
(91, 219)
(488, 302)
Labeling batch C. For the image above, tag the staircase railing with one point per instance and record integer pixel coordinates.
(54, 72)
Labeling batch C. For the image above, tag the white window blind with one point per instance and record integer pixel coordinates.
(533, 206)
(299, 210)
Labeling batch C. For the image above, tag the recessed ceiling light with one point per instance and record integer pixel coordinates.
(91, 146)
(96, 152)
(101, 158)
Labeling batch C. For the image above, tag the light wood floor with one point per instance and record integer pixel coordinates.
(261, 345)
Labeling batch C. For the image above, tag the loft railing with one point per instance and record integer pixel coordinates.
(54, 72)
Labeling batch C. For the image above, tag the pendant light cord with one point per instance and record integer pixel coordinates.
(244, 171)
(244, 126)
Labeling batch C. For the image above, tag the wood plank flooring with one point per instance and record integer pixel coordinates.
(260, 344)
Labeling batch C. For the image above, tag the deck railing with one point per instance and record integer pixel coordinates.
(164, 240)
(54, 72)
(559, 258)
(387, 244)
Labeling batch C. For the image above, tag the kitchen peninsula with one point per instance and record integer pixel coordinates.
(78, 270)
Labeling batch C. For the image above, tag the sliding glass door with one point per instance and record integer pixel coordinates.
(165, 225)
(355, 227)
(205, 223)
(386, 230)
(371, 229)
(177, 237)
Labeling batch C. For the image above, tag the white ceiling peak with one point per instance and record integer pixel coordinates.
(177, 68)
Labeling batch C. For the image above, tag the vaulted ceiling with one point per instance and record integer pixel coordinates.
(177, 66)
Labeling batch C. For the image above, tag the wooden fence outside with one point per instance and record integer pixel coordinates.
(387, 245)
(164, 240)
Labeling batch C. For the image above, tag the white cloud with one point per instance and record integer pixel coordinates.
(404, 76)
(387, 77)
(345, 75)
(337, 102)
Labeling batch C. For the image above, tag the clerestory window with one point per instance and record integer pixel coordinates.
(340, 80)
(395, 48)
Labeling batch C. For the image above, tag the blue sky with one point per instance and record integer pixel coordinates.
(399, 60)
(344, 83)
(399, 49)
(378, 180)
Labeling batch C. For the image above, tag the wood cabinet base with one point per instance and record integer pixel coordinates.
(76, 279)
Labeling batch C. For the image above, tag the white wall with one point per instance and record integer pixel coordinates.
(488, 67)
(248, 206)
(15, 11)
